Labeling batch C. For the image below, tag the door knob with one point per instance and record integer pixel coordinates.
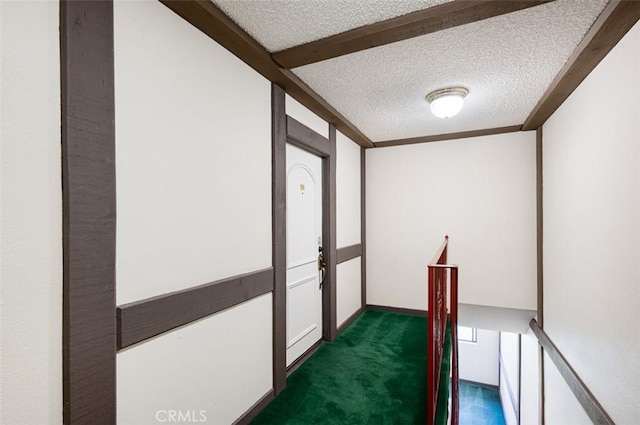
(322, 267)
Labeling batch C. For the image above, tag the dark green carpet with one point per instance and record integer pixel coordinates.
(374, 373)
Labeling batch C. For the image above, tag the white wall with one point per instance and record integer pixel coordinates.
(510, 416)
(510, 354)
(193, 133)
(348, 289)
(301, 113)
(529, 380)
(347, 191)
(348, 229)
(193, 141)
(561, 406)
(31, 215)
(592, 233)
(207, 366)
(479, 191)
(509, 375)
(478, 362)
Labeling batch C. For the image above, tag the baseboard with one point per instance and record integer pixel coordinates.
(480, 384)
(350, 320)
(409, 311)
(255, 409)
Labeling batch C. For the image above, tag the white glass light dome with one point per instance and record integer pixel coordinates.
(448, 102)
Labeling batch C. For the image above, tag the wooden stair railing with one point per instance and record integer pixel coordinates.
(439, 275)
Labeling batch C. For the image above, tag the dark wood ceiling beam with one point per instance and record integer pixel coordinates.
(448, 136)
(612, 24)
(205, 16)
(421, 22)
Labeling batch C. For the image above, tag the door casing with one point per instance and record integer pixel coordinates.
(285, 129)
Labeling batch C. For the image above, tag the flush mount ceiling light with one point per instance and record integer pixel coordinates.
(446, 103)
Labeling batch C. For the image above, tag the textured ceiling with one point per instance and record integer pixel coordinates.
(280, 24)
(507, 62)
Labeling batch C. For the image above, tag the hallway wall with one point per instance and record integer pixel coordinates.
(481, 192)
(348, 229)
(194, 205)
(193, 156)
(31, 215)
(592, 233)
(348, 191)
(193, 166)
(478, 361)
(193, 135)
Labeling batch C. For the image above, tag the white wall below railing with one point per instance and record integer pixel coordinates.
(561, 407)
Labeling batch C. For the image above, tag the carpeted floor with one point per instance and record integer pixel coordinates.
(374, 373)
(480, 405)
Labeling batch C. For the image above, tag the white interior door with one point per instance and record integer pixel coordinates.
(304, 240)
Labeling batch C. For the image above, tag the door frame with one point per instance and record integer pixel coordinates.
(286, 129)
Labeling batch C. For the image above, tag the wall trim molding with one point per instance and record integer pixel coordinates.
(349, 253)
(540, 262)
(254, 410)
(302, 136)
(279, 232)
(414, 24)
(587, 400)
(409, 311)
(329, 219)
(89, 212)
(448, 136)
(539, 227)
(144, 319)
(363, 228)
